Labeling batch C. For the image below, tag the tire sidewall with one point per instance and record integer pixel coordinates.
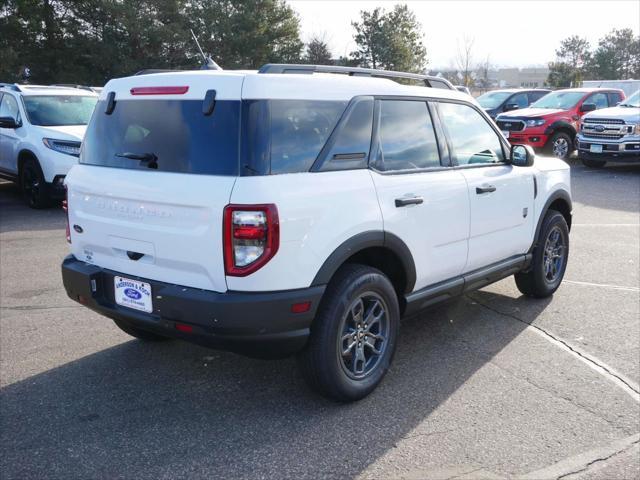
(555, 137)
(41, 200)
(331, 317)
(552, 220)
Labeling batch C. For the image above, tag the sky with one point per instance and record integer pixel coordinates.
(514, 33)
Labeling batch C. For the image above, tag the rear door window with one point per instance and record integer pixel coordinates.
(519, 99)
(407, 137)
(174, 132)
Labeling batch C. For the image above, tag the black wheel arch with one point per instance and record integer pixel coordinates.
(561, 126)
(379, 249)
(560, 201)
(24, 155)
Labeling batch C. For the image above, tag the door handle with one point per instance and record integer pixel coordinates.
(485, 189)
(404, 201)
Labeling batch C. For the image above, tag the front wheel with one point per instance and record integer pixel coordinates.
(32, 184)
(561, 145)
(353, 337)
(549, 260)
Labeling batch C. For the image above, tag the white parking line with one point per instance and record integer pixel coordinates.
(603, 285)
(605, 225)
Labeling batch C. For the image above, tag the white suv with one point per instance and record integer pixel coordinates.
(288, 210)
(40, 133)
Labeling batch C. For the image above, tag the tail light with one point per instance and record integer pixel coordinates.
(65, 207)
(251, 237)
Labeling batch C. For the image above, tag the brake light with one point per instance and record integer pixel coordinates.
(159, 90)
(251, 237)
(65, 207)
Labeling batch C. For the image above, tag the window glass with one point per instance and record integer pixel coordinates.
(351, 146)
(9, 107)
(519, 99)
(560, 99)
(472, 138)
(534, 96)
(59, 110)
(614, 99)
(492, 99)
(598, 99)
(407, 139)
(176, 132)
(299, 130)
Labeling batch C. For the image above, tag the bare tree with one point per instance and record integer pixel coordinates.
(483, 73)
(464, 60)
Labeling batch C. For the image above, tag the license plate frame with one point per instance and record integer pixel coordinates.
(595, 148)
(132, 294)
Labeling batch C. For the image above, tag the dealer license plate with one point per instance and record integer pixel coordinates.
(595, 148)
(133, 294)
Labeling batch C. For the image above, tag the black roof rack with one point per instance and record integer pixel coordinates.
(11, 86)
(428, 80)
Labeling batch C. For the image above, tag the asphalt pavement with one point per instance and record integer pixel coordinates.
(493, 385)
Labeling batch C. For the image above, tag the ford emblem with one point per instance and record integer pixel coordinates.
(133, 294)
(599, 128)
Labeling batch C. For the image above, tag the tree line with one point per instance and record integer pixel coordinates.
(616, 57)
(91, 41)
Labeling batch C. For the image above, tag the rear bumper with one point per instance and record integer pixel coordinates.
(254, 324)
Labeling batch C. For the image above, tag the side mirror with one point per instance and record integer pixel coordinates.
(511, 106)
(9, 122)
(522, 156)
(588, 107)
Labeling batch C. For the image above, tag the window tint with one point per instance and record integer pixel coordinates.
(350, 149)
(472, 138)
(599, 99)
(183, 139)
(519, 99)
(534, 96)
(58, 110)
(299, 130)
(614, 99)
(407, 139)
(9, 107)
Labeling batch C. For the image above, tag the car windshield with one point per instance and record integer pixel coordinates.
(59, 110)
(561, 100)
(492, 99)
(632, 101)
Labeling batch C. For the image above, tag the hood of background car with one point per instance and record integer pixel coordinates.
(531, 113)
(66, 132)
(628, 114)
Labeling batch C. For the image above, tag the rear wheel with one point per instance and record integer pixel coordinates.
(138, 333)
(353, 337)
(549, 258)
(561, 145)
(593, 163)
(32, 184)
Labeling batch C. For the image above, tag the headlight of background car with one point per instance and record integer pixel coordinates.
(63, 146)
(535, 123)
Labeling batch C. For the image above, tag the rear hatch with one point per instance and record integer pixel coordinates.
(155, 173)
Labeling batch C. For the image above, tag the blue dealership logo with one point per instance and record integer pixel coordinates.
(133, 294)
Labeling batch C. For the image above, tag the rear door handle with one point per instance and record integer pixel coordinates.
(485, 189)
(404, 201)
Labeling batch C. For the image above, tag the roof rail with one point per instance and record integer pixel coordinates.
(428, 80)
(71, 85)
(11, 86)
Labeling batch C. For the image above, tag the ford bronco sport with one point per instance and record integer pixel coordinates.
(271, 213)
(551, 123)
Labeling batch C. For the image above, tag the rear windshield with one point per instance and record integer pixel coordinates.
(166, 135)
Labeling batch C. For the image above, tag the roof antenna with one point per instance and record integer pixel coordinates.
(207, 62)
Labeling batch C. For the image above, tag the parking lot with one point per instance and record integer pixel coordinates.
(493, 385)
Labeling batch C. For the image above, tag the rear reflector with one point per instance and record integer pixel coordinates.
(300, 307)
(184, 328)
(159, 90)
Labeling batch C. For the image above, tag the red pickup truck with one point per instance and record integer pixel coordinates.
(552, 122)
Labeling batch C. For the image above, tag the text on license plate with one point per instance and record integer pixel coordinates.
(133, 294)
(595, 148)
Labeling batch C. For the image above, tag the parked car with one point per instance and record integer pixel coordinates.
(498, 101)
(551, 123)
(236, 210)
(611, 134)
(40, 133)
(463, 89)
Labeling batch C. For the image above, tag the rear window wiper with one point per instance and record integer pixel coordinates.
(151, 158)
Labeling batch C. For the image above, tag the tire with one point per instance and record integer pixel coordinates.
(561, 145)
(138, 333)
(593, 163)
(32, 185)
(543, 279)
(356, 293)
